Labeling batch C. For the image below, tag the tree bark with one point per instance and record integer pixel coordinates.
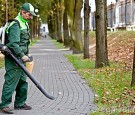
(133, 71)
(6, 10)
(77, 46)
(58, 21)
(86, 28)
(101, 35)
(65, 26)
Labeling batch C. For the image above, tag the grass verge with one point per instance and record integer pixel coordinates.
(33, 41)
(114, 96)
(58, 45)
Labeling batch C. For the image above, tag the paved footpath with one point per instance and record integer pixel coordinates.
(59, 78)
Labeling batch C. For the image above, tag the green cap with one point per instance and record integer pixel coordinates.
(29, 8)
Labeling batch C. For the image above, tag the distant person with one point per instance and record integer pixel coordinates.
(15, 79)
(43, 29)
(44, 33)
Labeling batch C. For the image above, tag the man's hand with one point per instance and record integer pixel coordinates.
(25, 58)
(30, 57)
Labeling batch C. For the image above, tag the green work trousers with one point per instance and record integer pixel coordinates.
(15, 80)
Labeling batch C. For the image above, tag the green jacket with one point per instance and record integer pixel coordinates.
(18, 37)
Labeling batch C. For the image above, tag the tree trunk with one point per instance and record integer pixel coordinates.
(133, 71)
(35, 27)
(49, 25)
(13, 6)
(86, 28)
(65, 26)
(6, 10)
(31, 30)
(55, 34)
(51, 22)
(76, 28)
(101, 35)
(106, 49)
(60, 21)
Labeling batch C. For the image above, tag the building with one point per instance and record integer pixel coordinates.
(120, 15)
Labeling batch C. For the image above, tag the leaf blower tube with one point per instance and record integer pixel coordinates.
(6, 52)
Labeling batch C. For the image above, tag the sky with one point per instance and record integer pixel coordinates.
(92, 4)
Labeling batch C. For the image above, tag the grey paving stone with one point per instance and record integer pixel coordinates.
(59, 78)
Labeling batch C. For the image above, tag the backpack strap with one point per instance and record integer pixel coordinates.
(6, 28)
(10, 23)
(11, 20)
(3, 33)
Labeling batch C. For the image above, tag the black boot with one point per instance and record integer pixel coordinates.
(23, 107)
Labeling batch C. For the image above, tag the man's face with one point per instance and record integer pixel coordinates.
(26, 15)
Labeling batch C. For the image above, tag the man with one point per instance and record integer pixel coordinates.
(17, 41)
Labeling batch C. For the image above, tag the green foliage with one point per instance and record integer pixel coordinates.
(44, 6)
(70, 8)
(2, 12)
(12, 11)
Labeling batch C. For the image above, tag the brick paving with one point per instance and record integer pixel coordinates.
(59, 78)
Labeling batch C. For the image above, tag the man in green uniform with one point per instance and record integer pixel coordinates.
(17, 40)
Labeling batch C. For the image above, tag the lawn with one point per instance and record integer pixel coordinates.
(111, 84)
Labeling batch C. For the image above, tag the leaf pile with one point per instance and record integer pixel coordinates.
(120, 47)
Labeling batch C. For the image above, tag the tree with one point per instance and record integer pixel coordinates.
(66, 26)
(86, 28)
(6, 10)
(101, 34)
(2, 12)
(133, 71)
(74, 13)
(51, 25)
(55, 20)
(58, 20)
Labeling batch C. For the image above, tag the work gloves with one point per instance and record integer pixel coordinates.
(25, 58)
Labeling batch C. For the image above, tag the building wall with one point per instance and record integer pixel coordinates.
(120, 14)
